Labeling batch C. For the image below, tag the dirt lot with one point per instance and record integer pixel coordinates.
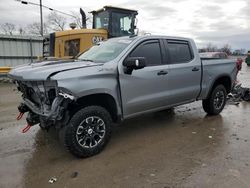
(182, 148)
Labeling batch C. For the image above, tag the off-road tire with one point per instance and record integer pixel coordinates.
(209, 105)
(71, 131)
(246, 95)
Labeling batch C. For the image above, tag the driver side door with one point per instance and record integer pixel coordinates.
(145, 89)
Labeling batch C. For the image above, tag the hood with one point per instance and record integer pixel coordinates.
(43, 70)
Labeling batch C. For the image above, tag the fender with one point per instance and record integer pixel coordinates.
(211, 86)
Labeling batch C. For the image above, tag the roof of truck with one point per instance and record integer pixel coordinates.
(155, 37)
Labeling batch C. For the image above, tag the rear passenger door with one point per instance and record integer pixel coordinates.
(145, 89)
(184, 72)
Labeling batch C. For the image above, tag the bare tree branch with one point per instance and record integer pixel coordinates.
(8, 28)
(21, 30)
(211, 48)
(78, 19)
(227, 49)
(35, 28)
(56, 22)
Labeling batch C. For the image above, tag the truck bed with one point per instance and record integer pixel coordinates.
(213, 67)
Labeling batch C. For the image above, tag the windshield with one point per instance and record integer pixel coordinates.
(105, 51)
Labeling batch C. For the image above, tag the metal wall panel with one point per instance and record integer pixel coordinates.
(17, 50)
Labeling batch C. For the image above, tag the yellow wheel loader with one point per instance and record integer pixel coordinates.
(108, 22)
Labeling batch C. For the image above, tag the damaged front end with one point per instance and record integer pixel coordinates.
(45, 103)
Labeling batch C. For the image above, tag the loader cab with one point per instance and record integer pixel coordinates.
(117, 21)
(108, 22)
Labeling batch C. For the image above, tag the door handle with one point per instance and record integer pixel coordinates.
(195, 69)
(162, 73)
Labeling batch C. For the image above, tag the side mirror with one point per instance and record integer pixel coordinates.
(134, 63)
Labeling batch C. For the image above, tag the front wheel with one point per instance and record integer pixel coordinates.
(88, 131)
(216, 101)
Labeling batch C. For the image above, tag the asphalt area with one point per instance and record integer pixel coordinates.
(179, 148)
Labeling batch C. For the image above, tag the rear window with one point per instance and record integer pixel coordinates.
(179, 52)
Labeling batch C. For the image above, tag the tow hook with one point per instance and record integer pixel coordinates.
(19, 116)
(22, 108)
(31, 119)
(25, 129)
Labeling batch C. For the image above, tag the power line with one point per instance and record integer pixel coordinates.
(44, 6)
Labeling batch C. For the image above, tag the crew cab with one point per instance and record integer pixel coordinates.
(119, 79)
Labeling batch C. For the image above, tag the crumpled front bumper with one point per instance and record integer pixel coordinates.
(47, 115)
(51, 113)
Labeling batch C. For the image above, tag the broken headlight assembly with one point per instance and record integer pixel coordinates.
(45, 103)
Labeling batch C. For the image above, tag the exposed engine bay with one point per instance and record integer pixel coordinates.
(44, 102)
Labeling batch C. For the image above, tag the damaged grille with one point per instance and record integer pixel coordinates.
(38, 92)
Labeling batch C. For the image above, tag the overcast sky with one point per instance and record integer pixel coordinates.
(215, 21)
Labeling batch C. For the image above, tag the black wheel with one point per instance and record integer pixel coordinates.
(216, 101)
(88, 131)
(246, 95)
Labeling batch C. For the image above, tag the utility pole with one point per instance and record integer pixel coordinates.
(41, 11)
(41, 16)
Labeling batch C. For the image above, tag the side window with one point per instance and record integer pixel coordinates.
(179, 52)
(150, 50)
(71, 47)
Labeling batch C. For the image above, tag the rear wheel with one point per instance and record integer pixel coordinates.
(216, 101)
(246, 95)
(88, 132)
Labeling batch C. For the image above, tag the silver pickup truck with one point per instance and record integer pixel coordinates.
(116, 80)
